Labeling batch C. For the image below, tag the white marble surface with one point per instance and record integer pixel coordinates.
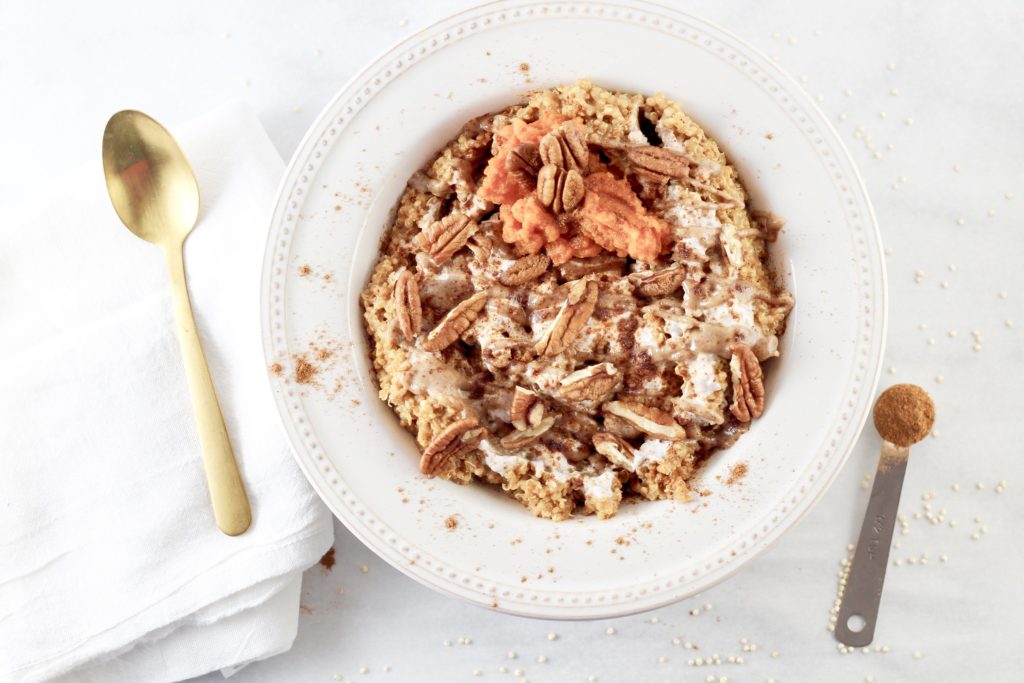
(953, 102)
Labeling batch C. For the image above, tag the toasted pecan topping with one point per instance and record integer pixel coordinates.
(445, 237)
(566, 148)
(407, 305)
(455, 323)
(593, 383)
(647, 419)
(747, 384)
(524, 270)
(572, 316)
(453, 441)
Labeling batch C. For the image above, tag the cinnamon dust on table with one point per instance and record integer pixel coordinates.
(327, 561)
(736, 473)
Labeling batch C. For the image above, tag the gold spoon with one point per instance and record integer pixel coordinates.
(155, 194)
(903, 415)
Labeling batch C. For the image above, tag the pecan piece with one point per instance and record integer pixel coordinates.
(659, 282)
(615, 449)
(445, 237)
(524, 159)
(525, 269)
(658, 162)
(747, 384)
(619, 427)
(594, 383)
(455, 322)
(407, 305)
(453, 441)
(527, 410)
(524, 437)
(647, 419)
(566, 147)
(571, 317)
(558, 189)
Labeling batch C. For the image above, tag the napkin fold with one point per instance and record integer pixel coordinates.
(111, 565)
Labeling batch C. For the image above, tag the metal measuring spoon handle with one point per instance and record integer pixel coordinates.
(867, 571)
(903, 415)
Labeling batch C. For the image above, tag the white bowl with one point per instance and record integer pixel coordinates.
(386, 123)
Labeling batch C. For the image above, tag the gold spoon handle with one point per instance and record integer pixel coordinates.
(227, 492)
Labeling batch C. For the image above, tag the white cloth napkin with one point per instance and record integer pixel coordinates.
(111, 566)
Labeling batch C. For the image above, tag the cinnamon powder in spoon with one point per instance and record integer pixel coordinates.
(904, 414)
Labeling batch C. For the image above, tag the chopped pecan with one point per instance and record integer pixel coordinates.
(648, 419)
(615, 449)
(525, 269)
(453, 441)
(659, 162)
(572, 448)
(455, 322)
(747, 384)
(659, 282)
(566, 147)
(407, 305)
(594, 383)
(524, 159)
(570, 319)
(524, 437)
(445, 237)
(619, 427)
(768, 224)
(558, 189)
(526, 410)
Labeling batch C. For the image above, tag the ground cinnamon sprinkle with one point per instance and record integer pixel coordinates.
(904, 414)
(327, 561)
(451, 523)
(305, 270)
(324, 354)
(736, 472)
(304, 371)
(276, 368)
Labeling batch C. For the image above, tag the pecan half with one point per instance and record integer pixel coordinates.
(455, 322)
(615, 449)
(659, 162)
(526, 410)
(524, 159)
(659, 282)
(594, 383)
(647, 419)
(570, 319)
(407, 305)
(454, 440)
(445, 237)
(524, 270)
(524, 437)
(559, 189)
(566, 147)
(769, 225)
(747, 384)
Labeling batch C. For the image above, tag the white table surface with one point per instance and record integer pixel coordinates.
(931, 104)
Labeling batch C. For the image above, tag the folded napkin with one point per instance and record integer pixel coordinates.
(111, 566)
